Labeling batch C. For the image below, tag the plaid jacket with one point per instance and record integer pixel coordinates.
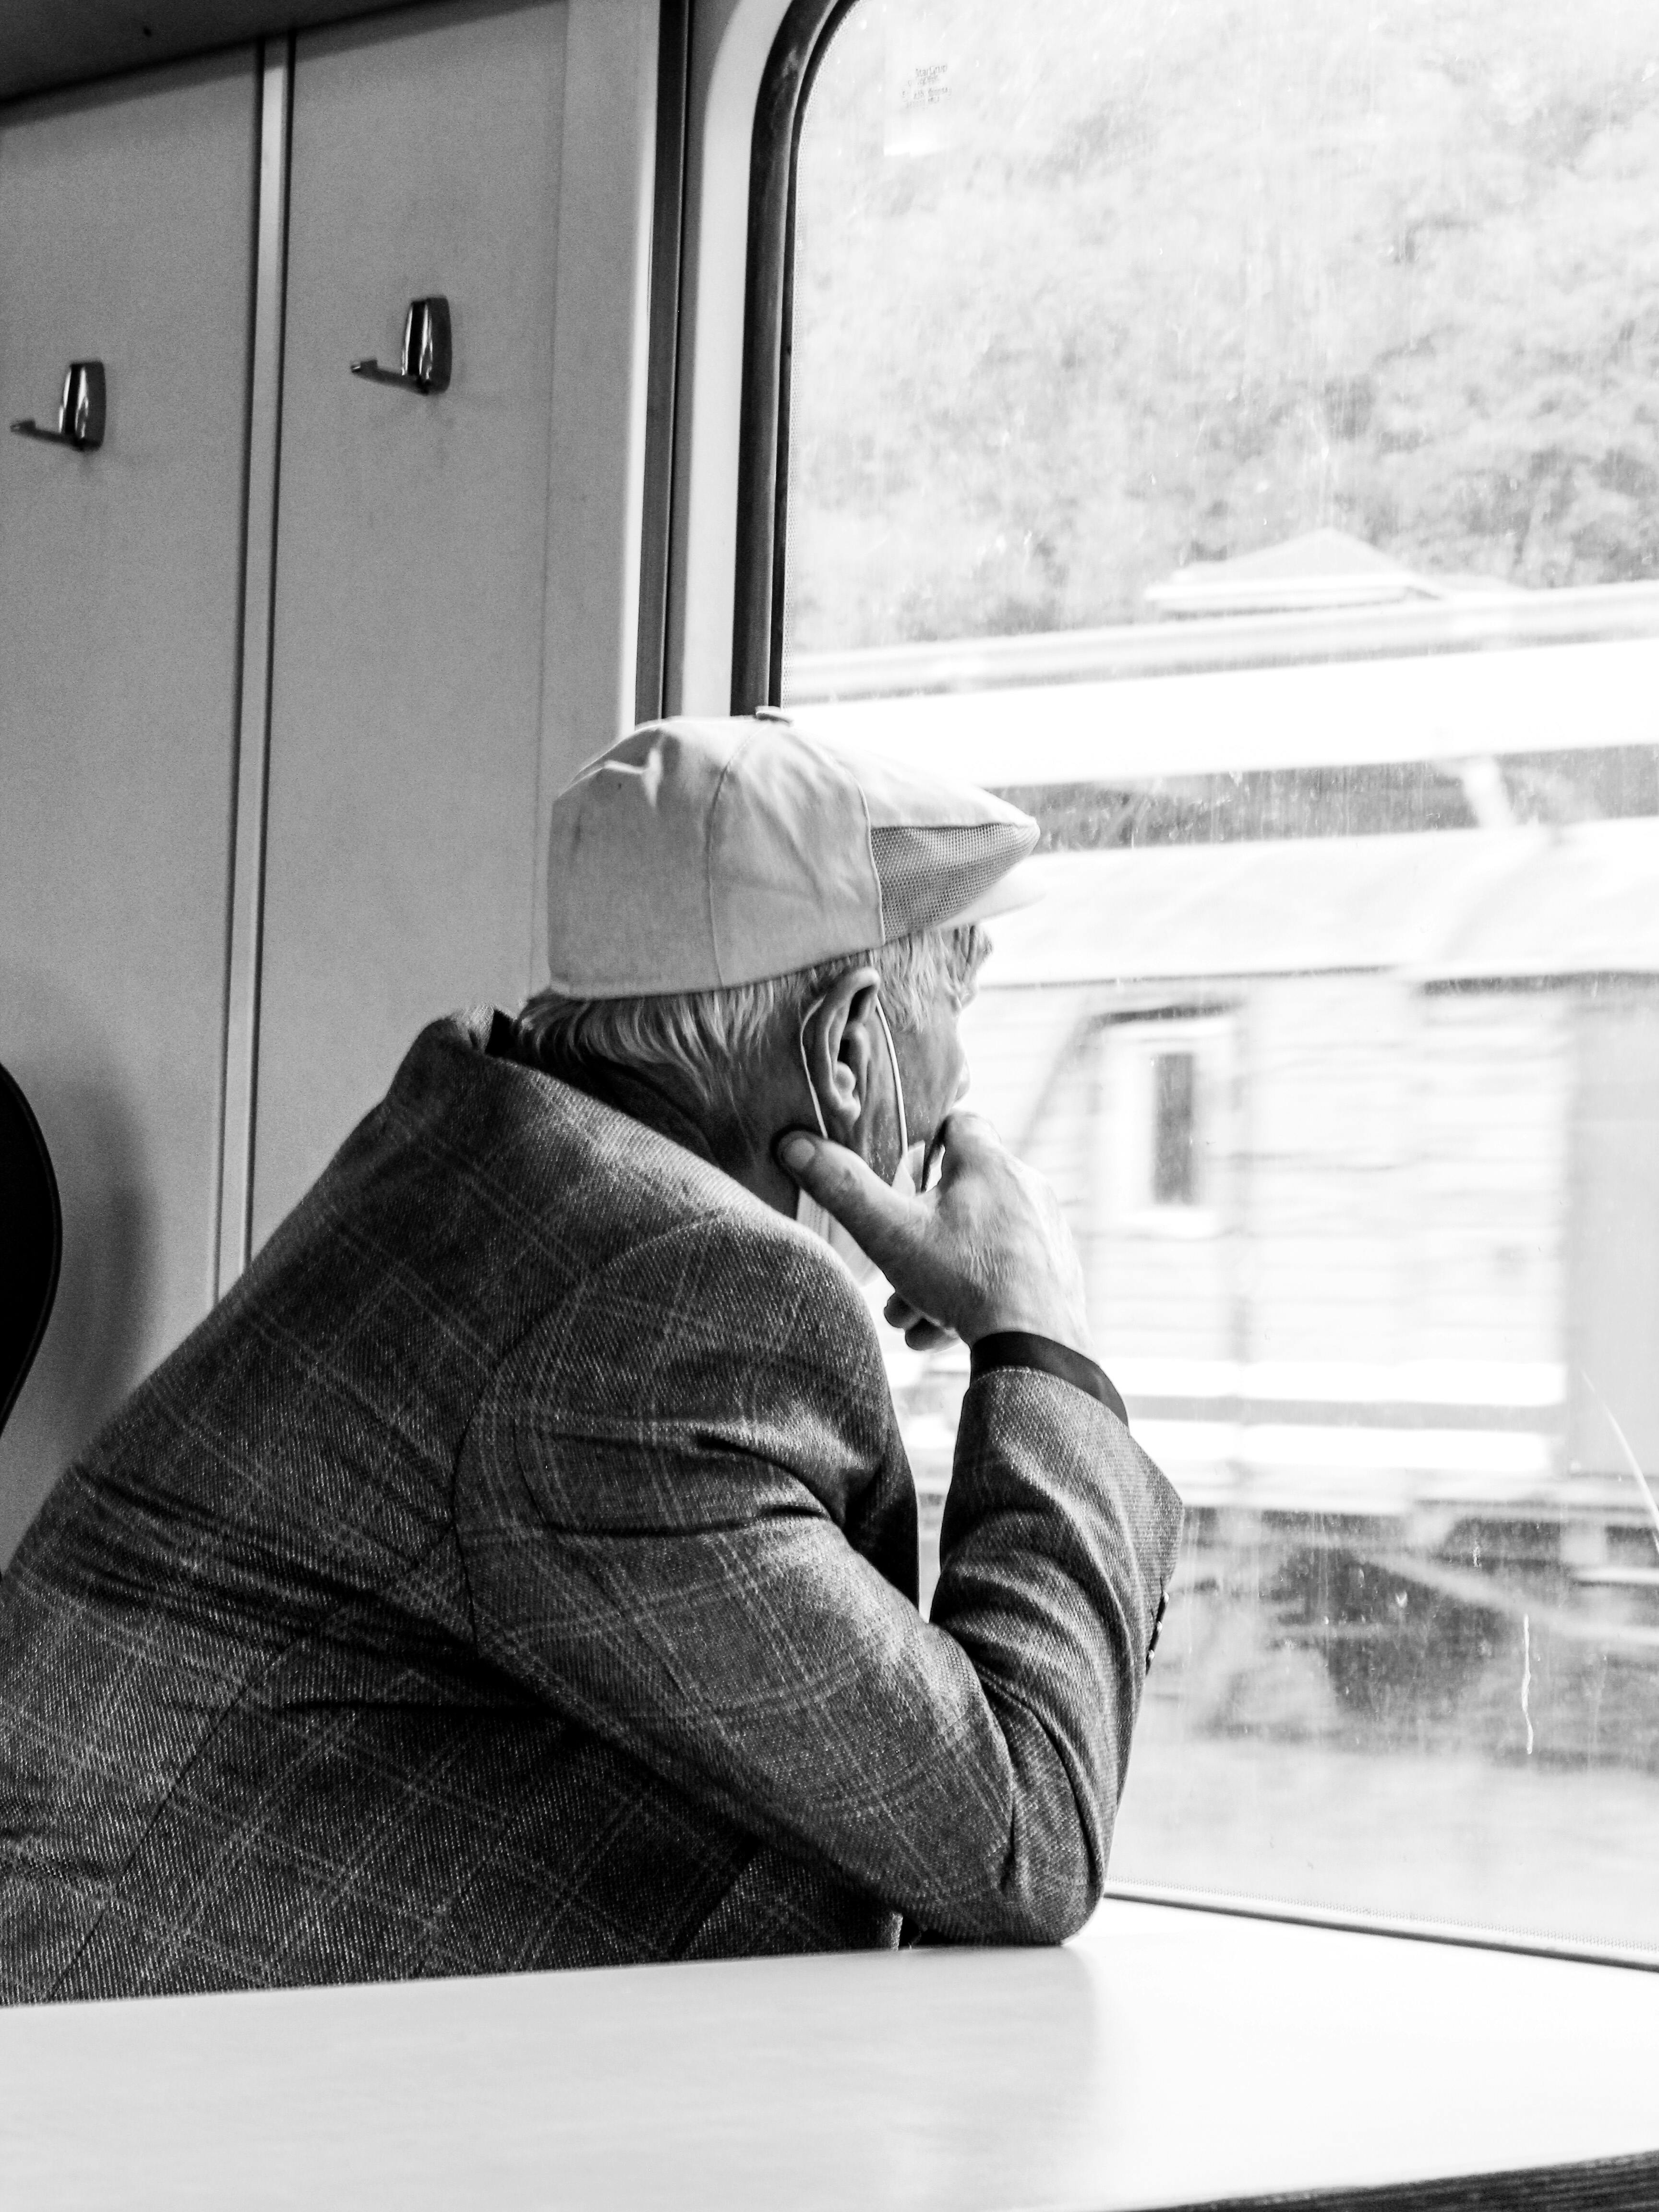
(517, 1569)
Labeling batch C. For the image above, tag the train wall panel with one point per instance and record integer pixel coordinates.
(126, 235)
(411, 551)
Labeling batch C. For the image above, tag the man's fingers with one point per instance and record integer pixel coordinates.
(876, 1217)
(920, 1329)
(964, 1138)
(986, 1250)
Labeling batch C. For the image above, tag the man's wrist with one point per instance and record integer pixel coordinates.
(1045, 1355)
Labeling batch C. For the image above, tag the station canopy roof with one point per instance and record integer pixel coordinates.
(1127, 731)
(1319, 569)
(1531, 903)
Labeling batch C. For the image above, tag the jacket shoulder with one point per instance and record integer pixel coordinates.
(727, 1340)
(733, 1283)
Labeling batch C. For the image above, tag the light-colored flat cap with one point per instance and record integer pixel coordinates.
(695, 855)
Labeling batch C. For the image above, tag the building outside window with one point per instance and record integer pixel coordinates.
(1163, 1115)
(1230, 431)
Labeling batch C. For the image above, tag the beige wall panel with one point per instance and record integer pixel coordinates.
(412, 557)
(126, 229)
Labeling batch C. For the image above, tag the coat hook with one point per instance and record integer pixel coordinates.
(80, 411)
(426, 351)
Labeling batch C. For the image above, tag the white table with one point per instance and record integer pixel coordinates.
(1169, 2057)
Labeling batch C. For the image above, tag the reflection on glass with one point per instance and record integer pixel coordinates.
(1229, 429)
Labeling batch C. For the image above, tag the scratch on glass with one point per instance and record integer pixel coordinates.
(1526, 1675)
(1631, 1460)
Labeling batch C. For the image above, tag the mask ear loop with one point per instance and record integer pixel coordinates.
(816, 1219)
(898, 1082)
(801, 1046)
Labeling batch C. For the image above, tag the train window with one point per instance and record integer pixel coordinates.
(1227, 426)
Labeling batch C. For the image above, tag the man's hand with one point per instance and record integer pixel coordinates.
(986, 1250)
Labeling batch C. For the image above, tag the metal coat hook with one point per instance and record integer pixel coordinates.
(426, 354)
(80, 411)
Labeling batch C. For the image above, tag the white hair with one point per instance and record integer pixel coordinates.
(709, 1042)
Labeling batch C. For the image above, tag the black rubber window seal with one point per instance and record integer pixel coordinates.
(802, 41)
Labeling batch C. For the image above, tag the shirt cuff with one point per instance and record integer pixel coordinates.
(1017, 1347)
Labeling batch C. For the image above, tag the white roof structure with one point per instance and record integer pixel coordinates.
(1477, 617)
(1469, 905)
(1319, 569)
(1135, 729)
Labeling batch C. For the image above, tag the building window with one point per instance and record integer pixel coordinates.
(1162, 1122)
(1174, 1097)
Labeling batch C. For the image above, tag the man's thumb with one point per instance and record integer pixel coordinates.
(864, 1205)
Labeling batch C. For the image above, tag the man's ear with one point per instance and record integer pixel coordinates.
(840, 1051)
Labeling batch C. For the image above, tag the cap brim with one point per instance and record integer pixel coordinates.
(1021, 886)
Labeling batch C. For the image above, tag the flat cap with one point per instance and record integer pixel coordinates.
(698, 854)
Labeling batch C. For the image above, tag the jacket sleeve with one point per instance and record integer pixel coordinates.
(688, 1523)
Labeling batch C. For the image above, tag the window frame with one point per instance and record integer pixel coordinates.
(769, 313)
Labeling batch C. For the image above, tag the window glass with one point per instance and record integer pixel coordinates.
(1228, 428)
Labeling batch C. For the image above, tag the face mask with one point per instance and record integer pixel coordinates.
(816, 1219)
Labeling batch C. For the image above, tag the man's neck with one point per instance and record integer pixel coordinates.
(655, 1100)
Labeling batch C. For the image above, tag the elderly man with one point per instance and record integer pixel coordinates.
(518, 1567)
